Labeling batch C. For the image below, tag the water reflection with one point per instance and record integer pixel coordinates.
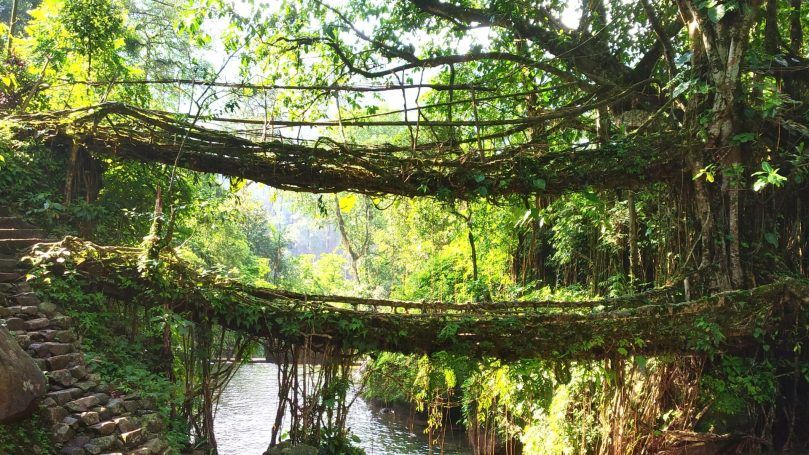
(247, 409)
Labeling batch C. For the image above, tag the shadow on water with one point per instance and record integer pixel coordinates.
(247, 409)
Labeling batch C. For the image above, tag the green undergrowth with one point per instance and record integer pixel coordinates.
(32, 179)
(551, 407)
(562, 406)
(27, 437)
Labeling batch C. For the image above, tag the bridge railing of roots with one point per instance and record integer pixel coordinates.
(316, 339)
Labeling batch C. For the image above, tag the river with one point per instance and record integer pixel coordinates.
(247, 409)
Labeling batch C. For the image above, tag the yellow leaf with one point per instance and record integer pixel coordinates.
(709, 177)
(347, 202)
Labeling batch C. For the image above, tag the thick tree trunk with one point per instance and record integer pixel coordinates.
(719, 45)
(72, 172)
(795, 29)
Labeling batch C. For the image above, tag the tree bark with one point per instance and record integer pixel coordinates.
(634, 255)
(341, 225)
(72, 172)
(724, 42)
(11, 20)
(795, 29)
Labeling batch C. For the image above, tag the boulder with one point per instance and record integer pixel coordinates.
(21, 381)
(285, 448)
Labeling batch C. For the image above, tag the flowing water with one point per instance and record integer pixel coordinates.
(247, 410)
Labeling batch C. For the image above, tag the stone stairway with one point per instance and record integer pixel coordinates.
(87, 416)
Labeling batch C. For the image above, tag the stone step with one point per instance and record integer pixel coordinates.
(13, 222)
(126, 424)
(62, 378)
(14, 312)
(20, 245)
(20, 233)
(88, 385)
(15, 324)
(68, 378)
(50, 349)
(104, 444)
(32, 325)
(88, 403)
(116, 407)
(26, 298)
(21, 287)
(59, 362)
(11, 265)
(62, 397)
(61, 336)
(10, 277)
(61, 322)
(132, 439)
(88, 418)
(104, 428)
(22, 311)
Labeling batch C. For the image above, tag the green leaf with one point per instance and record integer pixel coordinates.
(682, 88)
(237, 184)
(743, 137)
(539, 184)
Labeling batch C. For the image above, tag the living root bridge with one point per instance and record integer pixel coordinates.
(435, 169)
(645, 324)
